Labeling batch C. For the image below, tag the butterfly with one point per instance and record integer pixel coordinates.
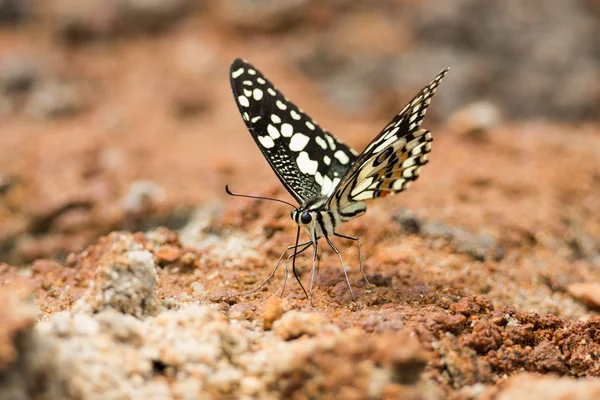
(329, 180)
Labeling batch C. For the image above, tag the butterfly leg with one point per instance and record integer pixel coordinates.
(313, 273)
(276, 266)
(343, 267)
(287, 263)
(362, 271)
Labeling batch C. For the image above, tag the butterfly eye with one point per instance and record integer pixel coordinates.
(305, 218)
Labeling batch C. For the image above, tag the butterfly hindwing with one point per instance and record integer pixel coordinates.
(308, 160)
(393, 160)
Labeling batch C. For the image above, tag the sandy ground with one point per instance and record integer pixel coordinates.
(124, 263)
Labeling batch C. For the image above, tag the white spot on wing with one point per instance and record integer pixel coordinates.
(275, 118)
(258, 94)
(247, 92)
(319, 178)
(327, 160)
(256, 118)
(310, 125)
(391, 133)
(335, 183)
(418, 149)
(295, 115)
(408, 163)
(235, 74)
(243, 101)
(272, 131)
(305, 164)
(247, 83)
(252, 72)
(271, 92)
(281, 105)
(298, 142)
(260, 80)
(342, 157)
(321, 143)
(398, 184)
(408, 172)
(266, 141)
(327, 186)
(330, 141)
(287, 130)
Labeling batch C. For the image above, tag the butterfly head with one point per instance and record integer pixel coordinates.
(303, 217)
(316, 218)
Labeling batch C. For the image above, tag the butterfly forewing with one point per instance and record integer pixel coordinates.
(394, 158)
(308, 160)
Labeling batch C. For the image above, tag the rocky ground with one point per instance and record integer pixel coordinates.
(123, 264)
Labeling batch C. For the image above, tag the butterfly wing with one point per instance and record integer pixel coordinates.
(308, 160)
(393, 160)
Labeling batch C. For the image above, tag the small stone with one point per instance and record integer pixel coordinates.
(475, 120)
(18, 73)
(224, 296)
(189, 260)
(151, 15)
(295, 324)
(588, 292)
(270, 15)
(241, 311)
(535, 387)
(55, 99)
(409, 221)
(274, 309)
(478, 247)
(167, 255)
(472, 305)
(142, 195)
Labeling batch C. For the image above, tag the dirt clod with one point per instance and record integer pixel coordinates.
(274, 309)
(125, 279)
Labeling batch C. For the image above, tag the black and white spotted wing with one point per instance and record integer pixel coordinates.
(393, 160)
(308, 160)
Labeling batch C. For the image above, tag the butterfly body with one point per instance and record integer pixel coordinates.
(329, 180)
(319, 220)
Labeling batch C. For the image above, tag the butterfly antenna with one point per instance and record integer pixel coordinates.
(229, 192)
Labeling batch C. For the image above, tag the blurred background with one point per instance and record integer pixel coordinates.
(117, 114)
